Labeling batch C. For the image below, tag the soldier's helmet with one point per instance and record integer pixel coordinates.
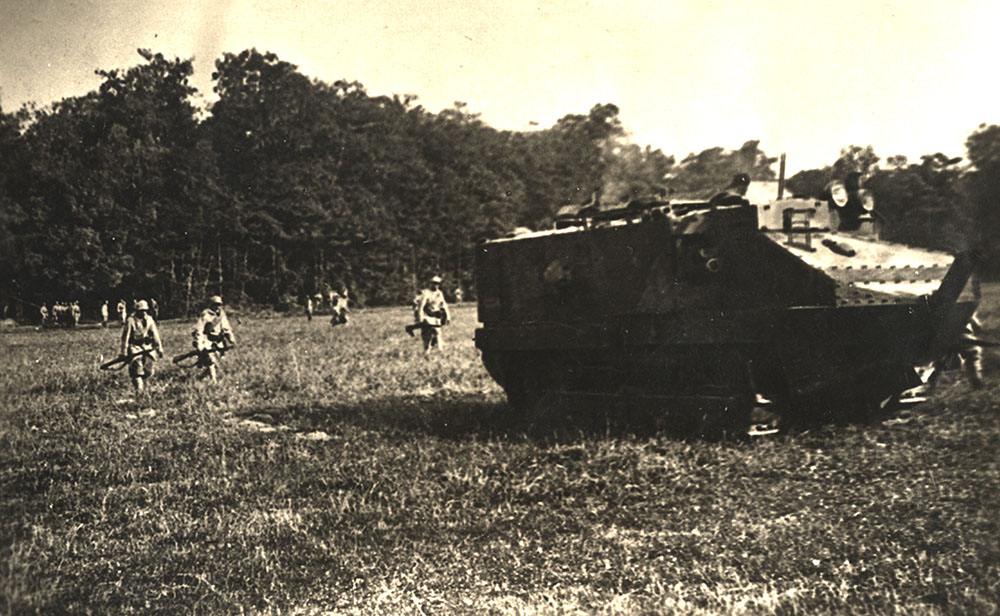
(436, 280)
(141, 305)
(215, 300)
(740, 183)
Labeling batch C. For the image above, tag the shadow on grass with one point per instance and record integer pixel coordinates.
(472, 415)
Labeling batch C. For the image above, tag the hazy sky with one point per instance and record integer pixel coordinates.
(805, 78)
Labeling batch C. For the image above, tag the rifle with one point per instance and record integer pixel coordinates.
(424, 325)
(421, 326)
(216, 348)
(123, 360)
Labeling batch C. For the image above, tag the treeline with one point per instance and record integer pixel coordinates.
(287, 185)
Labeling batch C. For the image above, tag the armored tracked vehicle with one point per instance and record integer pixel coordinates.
(700, 310)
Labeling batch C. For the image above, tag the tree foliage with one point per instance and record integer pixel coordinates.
(983, 188)
(285, 186)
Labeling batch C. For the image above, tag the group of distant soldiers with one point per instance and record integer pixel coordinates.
(61, 314)
(338, 302)
(68, 314)
(430, 311)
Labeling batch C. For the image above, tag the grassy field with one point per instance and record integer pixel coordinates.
(335, 470)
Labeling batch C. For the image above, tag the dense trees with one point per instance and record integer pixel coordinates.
(983, 188)
(284, 186)
(288, 185)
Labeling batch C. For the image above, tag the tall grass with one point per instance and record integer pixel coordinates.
(425, 498)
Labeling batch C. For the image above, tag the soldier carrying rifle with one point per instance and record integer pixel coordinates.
(212, 336)
(140, 340)
(430, 313)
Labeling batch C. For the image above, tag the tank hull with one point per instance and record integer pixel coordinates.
(703, 314)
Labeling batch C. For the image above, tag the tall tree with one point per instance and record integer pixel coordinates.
(983, 187)
(855, 158)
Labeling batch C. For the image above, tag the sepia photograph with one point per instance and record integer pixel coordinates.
(551, 307)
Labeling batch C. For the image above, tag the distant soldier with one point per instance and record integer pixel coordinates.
(140, 341)
(122, 307)
(309, 308)
(75, 312)
(44, 312)
(211, 334)
(154, 308)
(735, 193)
(431, 314)
(459, 295)
(104, 314)
(317, 301)
(338, 305)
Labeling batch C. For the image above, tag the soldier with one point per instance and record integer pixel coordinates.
(971, 354)
(75, 311)
(211, 330)
(154, 308)
(431, 314)
(122, 307)
(104, 314)
(735, 193)
(140, 340)
(44, 312)
(309, 308)
(459, 295)
(338, 305)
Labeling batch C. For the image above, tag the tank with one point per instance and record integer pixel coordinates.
(698, 311)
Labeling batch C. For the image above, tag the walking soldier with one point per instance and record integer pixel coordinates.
(430, 315)
(212, 336)
(140, 340)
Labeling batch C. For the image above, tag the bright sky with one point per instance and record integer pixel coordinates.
(806, 78)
